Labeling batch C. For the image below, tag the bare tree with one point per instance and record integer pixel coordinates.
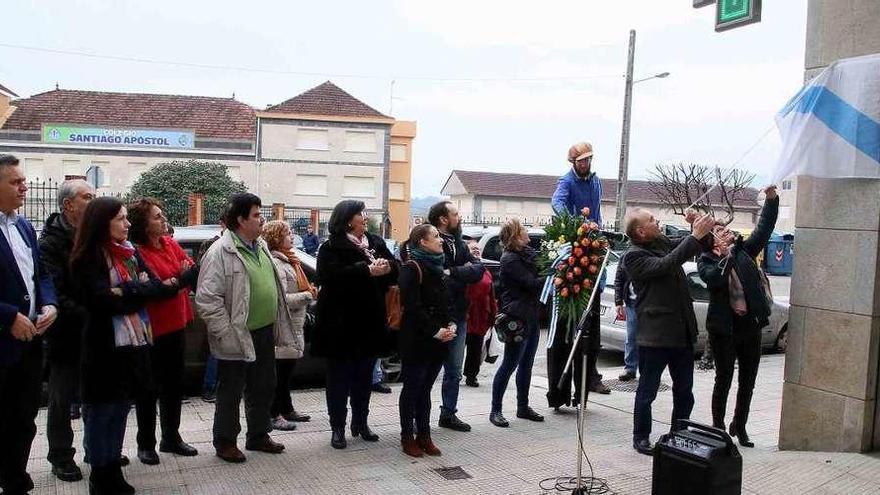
(680, 185)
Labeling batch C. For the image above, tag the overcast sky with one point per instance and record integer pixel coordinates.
(494, 85)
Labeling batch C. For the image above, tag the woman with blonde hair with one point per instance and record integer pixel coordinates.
(520, 288)
(298, 293)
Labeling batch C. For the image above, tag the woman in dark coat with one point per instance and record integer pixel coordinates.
(520, 288)
(355, 270)
(115, 286)
(738, 310)
(425, 329)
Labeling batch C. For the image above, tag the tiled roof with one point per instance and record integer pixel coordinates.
(326, 99)
(6, 90)
(209, 117)
(543, 186)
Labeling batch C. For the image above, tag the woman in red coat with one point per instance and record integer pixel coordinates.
(481, 316)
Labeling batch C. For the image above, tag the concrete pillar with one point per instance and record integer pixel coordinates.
(315, 219)
(196, 214)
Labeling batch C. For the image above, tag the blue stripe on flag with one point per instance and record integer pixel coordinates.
(848, 122)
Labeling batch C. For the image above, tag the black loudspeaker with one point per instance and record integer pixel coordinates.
(696, 459)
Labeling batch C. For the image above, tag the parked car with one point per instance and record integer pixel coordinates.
(773, 336)
(309, 369)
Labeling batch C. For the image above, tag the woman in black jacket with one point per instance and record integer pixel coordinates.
(114, 285)
(425, 329)
(355, 270)
(738, 309)
(520, 288)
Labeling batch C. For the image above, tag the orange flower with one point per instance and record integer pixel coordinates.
(593, 269)
(558, 281)
(577, 271)
(576, 289)
(584, 262)
(578, 252)
(587, 283)
(564, 292)
(585, 211)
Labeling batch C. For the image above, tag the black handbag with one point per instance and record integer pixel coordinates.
(510, 330)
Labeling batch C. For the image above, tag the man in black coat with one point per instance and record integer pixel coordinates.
(462, 267)
(667, 327)
(64, 337)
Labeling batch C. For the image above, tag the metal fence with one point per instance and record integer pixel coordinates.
(489, 220)
(40, 202)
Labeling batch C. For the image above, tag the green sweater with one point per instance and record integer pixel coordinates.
(263, 303)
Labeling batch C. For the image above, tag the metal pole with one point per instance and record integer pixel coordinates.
(624, 135)
(582, 416)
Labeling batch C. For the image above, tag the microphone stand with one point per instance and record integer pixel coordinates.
(582, 407)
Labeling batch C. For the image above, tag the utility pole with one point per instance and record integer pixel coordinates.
(624, 135)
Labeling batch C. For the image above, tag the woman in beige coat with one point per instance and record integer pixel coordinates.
(298, 293)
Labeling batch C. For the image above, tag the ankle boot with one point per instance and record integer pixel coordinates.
(118, 480)
(409, 445)
(739, 431)
(425, 443)
(337, 439)
(99, 482)
(364, 431)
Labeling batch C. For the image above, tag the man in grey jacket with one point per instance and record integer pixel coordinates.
(667, 327)
(241, 300)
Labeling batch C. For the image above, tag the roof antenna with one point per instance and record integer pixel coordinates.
(233, 95)
(56, 85)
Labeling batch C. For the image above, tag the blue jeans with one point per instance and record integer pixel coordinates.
(378, 375)
(210, 384)
(630, 349)
(652, 362)
(452, 370)
(519, 357)
(104, 432)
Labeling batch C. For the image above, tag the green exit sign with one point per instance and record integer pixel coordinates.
(731, 14)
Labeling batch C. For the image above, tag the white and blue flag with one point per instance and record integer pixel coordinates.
(831, 128)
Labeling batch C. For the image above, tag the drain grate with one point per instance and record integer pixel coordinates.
(453, 473)
(630, 386)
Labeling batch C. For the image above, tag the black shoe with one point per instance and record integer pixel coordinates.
(123, 460)
(180, 448)
(529, 414)
(740, 433)
(67, 471)
(364, 432)
(471, 382)
(337, 439)
(295, 416)
(453, 423)
(381, 388)
(497, 419)
(627, 376)
(643, 446)
(600, 388)
(209, 396)
(117, 480)
(148, 457)
(75, 413)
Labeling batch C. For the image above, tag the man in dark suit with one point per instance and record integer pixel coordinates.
(27, 309)
(666, 324)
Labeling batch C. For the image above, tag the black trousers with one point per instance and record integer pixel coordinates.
(743, 345)
(256, 381)
(63, 391)
(557, 355)
(474, 356)
(167, 363)
(349, 380)
(282, 404)
(652, 362)
(415, 399)
(20, 388)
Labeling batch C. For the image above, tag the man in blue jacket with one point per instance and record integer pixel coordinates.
(27, 309)
(577, 189)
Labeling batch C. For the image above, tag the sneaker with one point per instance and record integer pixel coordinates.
(627, 376)
(279, 423)
(453, 423)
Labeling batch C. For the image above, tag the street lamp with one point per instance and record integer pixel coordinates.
(622, 175)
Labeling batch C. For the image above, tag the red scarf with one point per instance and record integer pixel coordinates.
(122, 256)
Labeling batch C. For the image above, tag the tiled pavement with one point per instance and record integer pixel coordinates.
(505, 461)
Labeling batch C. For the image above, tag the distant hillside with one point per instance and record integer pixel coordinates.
(420, 206)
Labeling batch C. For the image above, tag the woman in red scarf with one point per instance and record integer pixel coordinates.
(168, 318)
(115, 286)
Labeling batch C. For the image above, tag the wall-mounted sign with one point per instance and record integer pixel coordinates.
(117, 137)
